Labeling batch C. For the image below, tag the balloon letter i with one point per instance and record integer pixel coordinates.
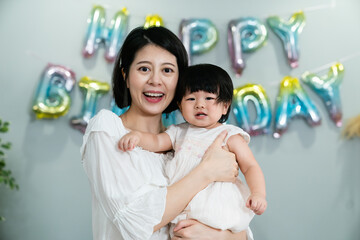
(92, 91)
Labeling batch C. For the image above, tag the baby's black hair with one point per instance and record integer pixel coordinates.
(208, 78)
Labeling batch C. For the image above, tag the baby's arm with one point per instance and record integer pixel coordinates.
(252, 172)
(151, 142)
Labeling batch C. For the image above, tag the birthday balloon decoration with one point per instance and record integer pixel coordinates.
(97, 33)
(244, 35)
(92, 91)
(52, 98)
(116, 34)
(289, 32)
(292, 101)
(198, 36)
(257, 95)
(153, 20)
(327, 87)
(115, 109)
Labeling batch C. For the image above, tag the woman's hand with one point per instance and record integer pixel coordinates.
(219, 164)
(192, 229)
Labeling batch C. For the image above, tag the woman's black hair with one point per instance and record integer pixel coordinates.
(136, 40)
(207, 78)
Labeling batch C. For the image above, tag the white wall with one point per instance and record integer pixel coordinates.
(311, 173)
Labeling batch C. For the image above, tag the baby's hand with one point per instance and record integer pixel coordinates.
(257, 203)
(129, 141)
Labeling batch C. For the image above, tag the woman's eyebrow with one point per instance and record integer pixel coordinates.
(143, 62)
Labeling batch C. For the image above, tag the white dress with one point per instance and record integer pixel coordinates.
(128, 188)
(220, 205)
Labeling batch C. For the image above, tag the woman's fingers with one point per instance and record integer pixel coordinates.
(219, 140)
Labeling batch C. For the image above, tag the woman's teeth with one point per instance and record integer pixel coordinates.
(154, 94)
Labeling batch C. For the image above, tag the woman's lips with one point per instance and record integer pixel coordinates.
(154, 97)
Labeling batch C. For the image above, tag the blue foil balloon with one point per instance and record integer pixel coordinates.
(292, 101)
(327, 87)
(257, 95)
(97, 33)
(115, 109)
(92, 91)
(244, 35)
(289, 32)
(198, 36)
(52, 98)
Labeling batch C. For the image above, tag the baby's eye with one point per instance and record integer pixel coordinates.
(209, 98)
(190, 99)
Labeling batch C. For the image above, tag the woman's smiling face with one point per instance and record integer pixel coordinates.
(152, 80)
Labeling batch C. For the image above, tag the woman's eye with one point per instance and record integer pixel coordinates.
(144, 69)
(168, 70)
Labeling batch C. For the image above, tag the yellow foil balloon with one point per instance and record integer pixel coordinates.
(153, 20)
(92, 91)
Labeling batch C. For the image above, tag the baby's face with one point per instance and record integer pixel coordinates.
(201, 109)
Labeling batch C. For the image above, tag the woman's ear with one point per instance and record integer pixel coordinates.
(124, 77)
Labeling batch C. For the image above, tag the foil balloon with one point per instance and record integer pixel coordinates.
(115, 109)
(198, 36)
(153, 20)
(116, 34)
(170, 118)
(244, 35)
(92, 91)
(52, 98)
(257, 95)
(97, 33)
(292, 101)
(327, 87)
(289, 32)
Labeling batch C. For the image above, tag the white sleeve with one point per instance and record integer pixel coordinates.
(172, 131)
(132, 205)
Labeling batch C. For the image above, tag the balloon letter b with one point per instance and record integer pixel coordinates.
(198, 36)
(52, 98)
(244, 35)
(293, 101)
(92, 91)
(288, 32)
(327, 87)
(256, 94)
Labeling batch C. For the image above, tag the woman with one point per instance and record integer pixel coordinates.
(131, 199)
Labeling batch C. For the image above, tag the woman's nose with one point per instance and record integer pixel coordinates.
(155, 79)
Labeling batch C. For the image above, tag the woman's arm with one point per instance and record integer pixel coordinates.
(192, 229)
(216, 165)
